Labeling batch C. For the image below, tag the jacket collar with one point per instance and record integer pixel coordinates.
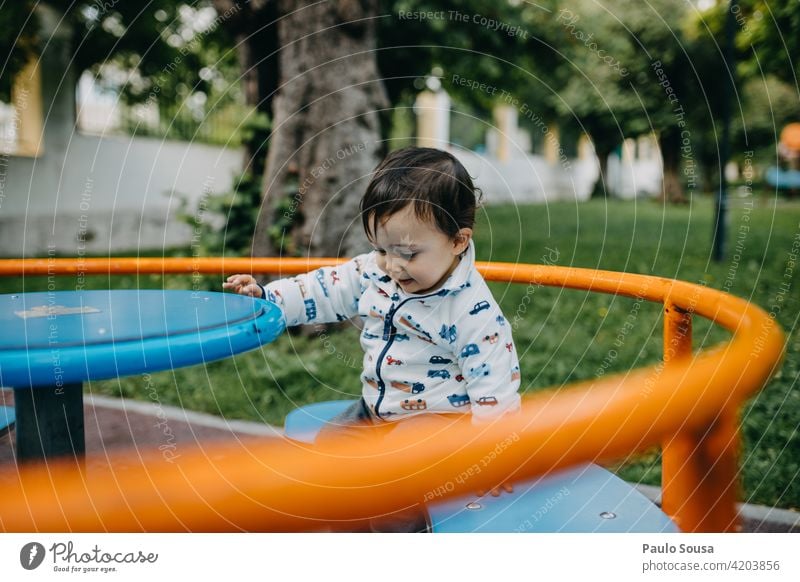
(458, 280)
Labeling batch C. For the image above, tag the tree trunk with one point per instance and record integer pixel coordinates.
(672, 186)
(601, 187)
(325, 131)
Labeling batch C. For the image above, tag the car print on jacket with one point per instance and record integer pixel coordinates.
(482, 370)
(439, 360)
(515, 375)
(311, 309)
(274, 296)
(486, 401)
(409, 322)
(320, 276)
(413, 387)
(479, 306)
(491, 338)
(443, 374)
(458, 400)
(418, 404)
(448, 333)
(470, 350)
(393, 361)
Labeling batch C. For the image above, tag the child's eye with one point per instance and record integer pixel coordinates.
(407, 256)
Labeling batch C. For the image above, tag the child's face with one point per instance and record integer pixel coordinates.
(415, 253)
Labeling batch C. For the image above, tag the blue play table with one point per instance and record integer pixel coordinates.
(54, 341)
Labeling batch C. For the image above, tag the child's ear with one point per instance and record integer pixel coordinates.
(461, 240)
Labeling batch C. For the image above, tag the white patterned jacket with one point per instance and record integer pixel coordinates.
(449, 351)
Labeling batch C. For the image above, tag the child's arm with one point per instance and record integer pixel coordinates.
(325, 295)
(488, 360)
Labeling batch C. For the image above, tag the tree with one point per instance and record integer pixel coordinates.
(162, 52)
(19, 44)
(592, 82)
(768, 104)
(326, 132)
(764, 96)
(330, 109)
(769, 39)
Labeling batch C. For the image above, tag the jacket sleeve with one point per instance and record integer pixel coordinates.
(487, 358)
(325, 295)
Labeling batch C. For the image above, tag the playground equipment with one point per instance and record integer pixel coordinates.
(790, 138)
(581, 499)
(782, 179)
(688, 404)
(53, 341)
(786, 178)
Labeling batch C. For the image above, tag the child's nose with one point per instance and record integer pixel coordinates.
(394, 263)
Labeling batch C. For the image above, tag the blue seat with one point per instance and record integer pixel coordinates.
(580, 499)
(7, 419)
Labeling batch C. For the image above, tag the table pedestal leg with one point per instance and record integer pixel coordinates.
(49, 422)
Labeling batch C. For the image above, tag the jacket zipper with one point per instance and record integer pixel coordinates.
(389, 331)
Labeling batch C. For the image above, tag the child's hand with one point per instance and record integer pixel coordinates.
(243, 285)
(495, 491)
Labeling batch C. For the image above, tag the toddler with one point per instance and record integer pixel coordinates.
(434, 339)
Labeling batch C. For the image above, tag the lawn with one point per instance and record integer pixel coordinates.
(561, 336)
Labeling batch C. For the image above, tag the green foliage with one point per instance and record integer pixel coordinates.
(21, 46)
(767, 105)
(769, 41)
(765, 98)
(176, 57)
(454, 42)
(162, 45)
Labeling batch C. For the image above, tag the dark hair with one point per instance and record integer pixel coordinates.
(432, 180)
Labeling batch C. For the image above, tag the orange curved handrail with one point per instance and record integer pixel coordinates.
(688, 403)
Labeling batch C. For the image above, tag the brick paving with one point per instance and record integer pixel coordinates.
(117, 425)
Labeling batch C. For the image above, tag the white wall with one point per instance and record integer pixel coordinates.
(103, 194)
(529, 178)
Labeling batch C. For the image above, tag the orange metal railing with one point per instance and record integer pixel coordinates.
(688, 403)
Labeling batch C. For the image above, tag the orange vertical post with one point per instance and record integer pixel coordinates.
(698, 466)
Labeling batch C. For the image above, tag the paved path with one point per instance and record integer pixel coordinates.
(114, 424)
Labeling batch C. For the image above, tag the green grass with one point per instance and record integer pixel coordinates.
(561, 335)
